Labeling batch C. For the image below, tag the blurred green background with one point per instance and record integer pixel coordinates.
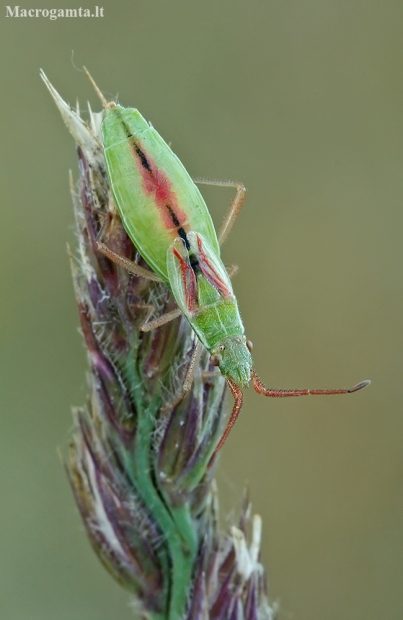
(303, 102)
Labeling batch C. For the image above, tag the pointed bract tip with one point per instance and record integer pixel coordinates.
(44, 77)
(100, 95)
(359, 386)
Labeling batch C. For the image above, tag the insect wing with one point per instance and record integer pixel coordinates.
(187, 266)
(210, 265)
(182, 278)
(188, 277)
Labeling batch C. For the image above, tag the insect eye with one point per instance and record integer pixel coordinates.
(214, 361)
(249, 344)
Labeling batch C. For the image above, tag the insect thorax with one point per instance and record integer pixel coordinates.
(217, 322)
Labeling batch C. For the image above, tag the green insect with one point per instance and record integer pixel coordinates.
(165, 215)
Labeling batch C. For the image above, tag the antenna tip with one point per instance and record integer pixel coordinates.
(359, 386)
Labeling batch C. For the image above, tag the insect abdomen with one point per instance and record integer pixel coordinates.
(155, 196)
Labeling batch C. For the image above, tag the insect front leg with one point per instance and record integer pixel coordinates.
(208, 377)
(234, 208)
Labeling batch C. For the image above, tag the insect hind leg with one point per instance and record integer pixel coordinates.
(233, 209)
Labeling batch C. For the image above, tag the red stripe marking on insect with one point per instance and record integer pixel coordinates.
(209, 271)
(157, 185)
(189, 282)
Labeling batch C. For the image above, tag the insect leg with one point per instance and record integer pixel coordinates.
(117, 258)
(209, 375)
(148, 326)
(234, 208)
(232, 270)
(190, 375)
(260, 389)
